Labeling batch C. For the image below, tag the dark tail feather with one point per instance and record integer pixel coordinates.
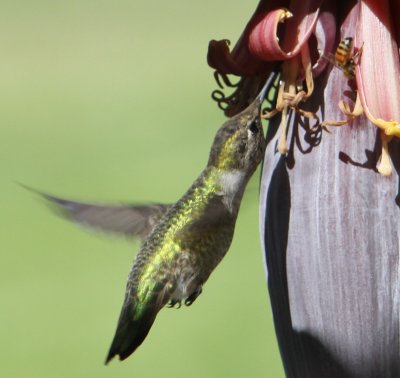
(130, 333)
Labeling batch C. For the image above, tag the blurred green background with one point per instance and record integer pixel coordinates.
(110, 101)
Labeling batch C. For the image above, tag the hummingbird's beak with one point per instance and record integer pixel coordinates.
(267, 86)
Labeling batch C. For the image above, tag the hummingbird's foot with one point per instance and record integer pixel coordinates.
(174, 302)
(192, 297)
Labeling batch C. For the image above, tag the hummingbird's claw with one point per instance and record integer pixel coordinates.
(174, 302)
(192, 297)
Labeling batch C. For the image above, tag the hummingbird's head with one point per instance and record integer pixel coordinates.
(240, 143)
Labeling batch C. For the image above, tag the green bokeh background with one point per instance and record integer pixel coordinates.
(110, 101)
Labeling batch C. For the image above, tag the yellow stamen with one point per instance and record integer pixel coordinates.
(284, 14)
(290, 94)
(346, 110)
(384, 165)
(389, 129)
(282, 142)
(306, 62)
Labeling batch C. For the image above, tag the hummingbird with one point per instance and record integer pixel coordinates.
(183, 242)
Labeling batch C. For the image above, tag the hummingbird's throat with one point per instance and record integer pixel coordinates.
(232, 184)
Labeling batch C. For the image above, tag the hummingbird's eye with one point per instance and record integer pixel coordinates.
(253, 127)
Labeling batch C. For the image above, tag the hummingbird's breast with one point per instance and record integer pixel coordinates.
(190, 239)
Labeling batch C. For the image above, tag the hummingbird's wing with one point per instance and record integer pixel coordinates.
(126, 220)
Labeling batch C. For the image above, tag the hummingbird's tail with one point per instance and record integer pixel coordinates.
(129, 335)
(133, 326)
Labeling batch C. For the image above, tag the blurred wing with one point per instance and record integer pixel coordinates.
(126, 220)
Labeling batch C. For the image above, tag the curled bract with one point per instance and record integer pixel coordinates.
(300, 36)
